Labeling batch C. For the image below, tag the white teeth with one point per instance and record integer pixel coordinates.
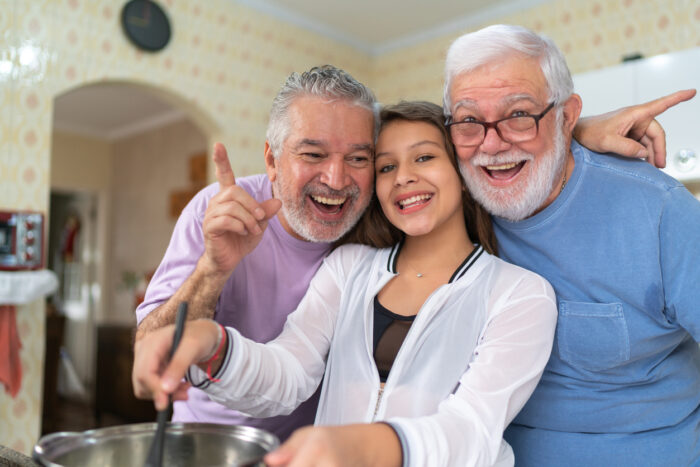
(414, 199)
(506, 166)
(329, 201)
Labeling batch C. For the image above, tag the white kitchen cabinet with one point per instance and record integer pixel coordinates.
(645, 79)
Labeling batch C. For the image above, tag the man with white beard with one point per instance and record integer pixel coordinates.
(617, 239)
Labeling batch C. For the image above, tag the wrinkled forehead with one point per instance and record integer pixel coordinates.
(500, 102)
(510, 79)
(341, 118)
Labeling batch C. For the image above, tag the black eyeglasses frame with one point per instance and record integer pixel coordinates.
(494, 125)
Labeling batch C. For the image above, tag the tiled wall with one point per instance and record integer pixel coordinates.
(224, 68)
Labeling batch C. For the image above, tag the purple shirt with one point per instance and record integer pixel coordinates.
(266, 286)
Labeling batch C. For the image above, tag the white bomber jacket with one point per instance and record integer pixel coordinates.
(471, 359)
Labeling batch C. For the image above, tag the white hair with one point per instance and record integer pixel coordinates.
(492, 43)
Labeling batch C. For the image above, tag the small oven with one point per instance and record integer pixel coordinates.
(21, 240)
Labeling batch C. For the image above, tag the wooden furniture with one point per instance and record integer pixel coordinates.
(55, 324)
(114, 392)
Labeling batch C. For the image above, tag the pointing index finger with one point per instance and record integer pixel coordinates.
(660, 105)
(224, 173)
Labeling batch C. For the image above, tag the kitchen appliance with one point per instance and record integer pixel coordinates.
(186, 444)
(21, 240)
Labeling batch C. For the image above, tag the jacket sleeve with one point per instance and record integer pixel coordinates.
(270, 379)
(506, 365)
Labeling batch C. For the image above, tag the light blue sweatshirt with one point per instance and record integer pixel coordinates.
(621, 247)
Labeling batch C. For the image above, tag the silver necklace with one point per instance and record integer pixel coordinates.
(418, 274)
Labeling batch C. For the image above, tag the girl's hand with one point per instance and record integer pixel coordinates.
(330, 446)
(153, 377)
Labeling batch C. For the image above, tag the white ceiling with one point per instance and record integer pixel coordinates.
(378, 26)
(114, 111)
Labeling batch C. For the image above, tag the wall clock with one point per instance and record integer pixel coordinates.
(146, 25)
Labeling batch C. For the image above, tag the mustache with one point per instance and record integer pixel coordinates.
(321, 189)
(482, 159)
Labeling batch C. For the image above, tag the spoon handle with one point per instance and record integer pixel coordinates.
(179, 326)
(155, 454)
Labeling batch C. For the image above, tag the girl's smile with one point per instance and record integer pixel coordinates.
(417, 185)
(411, 202)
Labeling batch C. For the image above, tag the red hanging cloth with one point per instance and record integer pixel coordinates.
(10, 364)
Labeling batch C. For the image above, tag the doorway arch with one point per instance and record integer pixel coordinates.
(102, 251)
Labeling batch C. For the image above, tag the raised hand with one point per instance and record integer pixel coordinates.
(234, 222)
(631, 131)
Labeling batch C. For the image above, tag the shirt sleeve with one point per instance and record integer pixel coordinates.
(270, 379)
(184, 250)
(509, 360)
(679, 236)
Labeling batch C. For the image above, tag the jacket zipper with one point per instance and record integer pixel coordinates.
(380, 393)
(379, 400)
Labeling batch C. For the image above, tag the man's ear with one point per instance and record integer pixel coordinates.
(572, 111)
(270, 163)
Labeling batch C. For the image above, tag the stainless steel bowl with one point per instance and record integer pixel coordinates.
(186, 444)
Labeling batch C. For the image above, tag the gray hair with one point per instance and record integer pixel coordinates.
(492, 43)
(327, 82)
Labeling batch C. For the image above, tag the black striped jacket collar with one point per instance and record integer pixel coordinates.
(459, 272)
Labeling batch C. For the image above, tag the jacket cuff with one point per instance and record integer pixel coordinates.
(198, 377)
(402, 441)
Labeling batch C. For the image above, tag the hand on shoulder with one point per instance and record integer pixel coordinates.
(631, 131)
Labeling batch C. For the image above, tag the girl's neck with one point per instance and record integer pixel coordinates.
(425, 263)
(443, 248)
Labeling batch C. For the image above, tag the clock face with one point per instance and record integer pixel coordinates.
(146, 25)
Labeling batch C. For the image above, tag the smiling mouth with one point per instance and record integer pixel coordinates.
(503, 171)
(414, 201)
(328, 205)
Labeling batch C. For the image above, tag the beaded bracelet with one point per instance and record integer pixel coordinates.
(220, 344)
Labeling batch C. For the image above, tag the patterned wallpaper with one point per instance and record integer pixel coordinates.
(224, 68)
(20, 417)
(591, 33)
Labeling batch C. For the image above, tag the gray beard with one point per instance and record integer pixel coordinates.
(518, 202)
(301, 221)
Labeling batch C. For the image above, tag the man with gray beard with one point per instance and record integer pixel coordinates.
(235, 257)
(616, 238)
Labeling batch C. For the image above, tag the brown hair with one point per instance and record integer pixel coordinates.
(374, 229)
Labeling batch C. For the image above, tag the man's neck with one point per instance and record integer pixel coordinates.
(559, 182)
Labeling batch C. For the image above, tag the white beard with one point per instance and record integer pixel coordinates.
(522, 199)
